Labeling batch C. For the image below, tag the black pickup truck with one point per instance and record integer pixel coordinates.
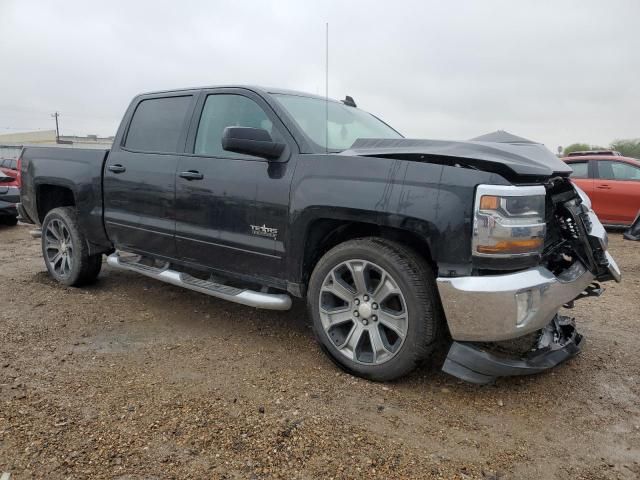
(256, 195)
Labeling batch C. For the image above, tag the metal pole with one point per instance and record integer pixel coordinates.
(55, 115)
(326, 92)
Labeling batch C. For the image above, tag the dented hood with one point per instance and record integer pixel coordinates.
(521, 158)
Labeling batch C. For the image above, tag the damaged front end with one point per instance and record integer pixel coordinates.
(477, 363)
(486, 311)
(574, 232)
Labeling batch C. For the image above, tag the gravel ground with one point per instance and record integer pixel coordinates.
(132, 378)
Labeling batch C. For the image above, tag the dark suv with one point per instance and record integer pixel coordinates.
(9, 191)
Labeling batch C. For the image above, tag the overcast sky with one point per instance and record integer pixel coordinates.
(553, 71)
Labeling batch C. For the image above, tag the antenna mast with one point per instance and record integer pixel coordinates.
(326, 91)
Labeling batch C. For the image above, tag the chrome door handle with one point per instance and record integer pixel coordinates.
(191, 175)
(117, 168)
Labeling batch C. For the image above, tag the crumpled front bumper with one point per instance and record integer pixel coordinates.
(557, 342)
(490, 308)
(493, 308)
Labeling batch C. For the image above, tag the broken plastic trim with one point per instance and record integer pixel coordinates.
(557, 342)
(592, 290)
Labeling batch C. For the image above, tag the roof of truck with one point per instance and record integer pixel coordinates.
(255, 88)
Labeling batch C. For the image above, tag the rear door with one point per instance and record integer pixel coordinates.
(139, 176)
(233, 215)
(617, 191)
(582, 175)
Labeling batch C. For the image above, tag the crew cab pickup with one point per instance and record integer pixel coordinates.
(259, 195)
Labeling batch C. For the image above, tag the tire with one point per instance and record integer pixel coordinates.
(61, 235)
(407, 295)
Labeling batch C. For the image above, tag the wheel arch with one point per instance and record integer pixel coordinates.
(53, 195)
(324, 233)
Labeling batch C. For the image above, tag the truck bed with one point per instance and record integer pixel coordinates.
(75, 174)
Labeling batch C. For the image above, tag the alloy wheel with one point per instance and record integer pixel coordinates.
(363, 312)
(58, 247)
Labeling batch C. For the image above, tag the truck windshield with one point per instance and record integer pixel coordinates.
(345, 124)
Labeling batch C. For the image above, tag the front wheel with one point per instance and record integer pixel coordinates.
(374, 308)
(65, 249)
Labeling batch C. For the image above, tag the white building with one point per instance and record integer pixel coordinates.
(11, 143)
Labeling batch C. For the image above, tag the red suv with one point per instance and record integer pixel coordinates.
(611, 181)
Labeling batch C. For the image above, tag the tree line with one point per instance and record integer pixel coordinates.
(628, 147)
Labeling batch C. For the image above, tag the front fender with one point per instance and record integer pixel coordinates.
(358, 189)
(429, 200)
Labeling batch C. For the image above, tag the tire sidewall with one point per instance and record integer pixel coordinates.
(63, 215)
(405, 360)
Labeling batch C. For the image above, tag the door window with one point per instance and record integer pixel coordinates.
(580, 169)
(610, 170)
(157, 124)
(227, 110)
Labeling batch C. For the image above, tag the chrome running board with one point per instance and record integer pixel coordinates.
(269, 301)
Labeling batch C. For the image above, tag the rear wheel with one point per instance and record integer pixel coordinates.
(374, 308)
(65, 249)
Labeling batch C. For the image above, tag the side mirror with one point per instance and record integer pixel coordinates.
(251, 141)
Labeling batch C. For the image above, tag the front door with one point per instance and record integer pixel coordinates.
(139, 177)
(616, 192)
(232, 209)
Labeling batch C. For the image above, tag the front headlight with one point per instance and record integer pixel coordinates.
(508, 221)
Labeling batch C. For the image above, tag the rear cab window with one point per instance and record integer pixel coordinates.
(158, 124)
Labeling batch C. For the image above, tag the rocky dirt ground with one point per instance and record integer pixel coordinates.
(132, 379)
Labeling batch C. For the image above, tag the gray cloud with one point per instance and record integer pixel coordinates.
(553, 71)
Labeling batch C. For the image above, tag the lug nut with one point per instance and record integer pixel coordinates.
(356, 314)
(374, 318)
(357, 301)
(366, 298)
(374, 306)
(365, 321)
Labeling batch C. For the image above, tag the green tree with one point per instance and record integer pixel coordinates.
(628, 147)
(576, 147)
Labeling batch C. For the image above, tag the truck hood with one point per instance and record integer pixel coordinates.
(521, 158)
